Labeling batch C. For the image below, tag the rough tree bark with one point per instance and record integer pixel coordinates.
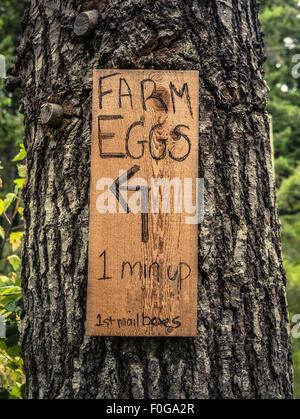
(243, 348)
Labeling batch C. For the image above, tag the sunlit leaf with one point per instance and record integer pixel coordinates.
(3, 280)
(15, 261)
(21, 155)
(15, 240)
(10, 290)
(22, 170)
(20, 182)
(9, 199)
(2, 233)
(1, 207)
(21, 212)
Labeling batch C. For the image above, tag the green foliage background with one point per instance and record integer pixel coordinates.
(12, 178)
(281, 24)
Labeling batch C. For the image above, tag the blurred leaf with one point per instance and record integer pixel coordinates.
(3, 345)
(21, 155)
(10, 291)
(15, 261)
(22, 170)
(2, 233)
(10, 197)
(16, 240)
(20, 183)
(14, 351)
(3, 280)
(2, 207)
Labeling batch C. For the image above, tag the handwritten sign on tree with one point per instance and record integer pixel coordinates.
(145, 204)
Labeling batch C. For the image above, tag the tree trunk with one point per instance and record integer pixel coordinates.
(243, 346)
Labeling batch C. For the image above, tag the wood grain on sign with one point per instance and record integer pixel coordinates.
(142, 252)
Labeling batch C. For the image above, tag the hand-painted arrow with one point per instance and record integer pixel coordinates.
(115, 188)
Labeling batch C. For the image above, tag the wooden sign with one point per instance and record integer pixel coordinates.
(143, 216)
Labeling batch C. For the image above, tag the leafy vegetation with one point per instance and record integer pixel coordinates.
(281, 25)
(11, 121)
(12, 178)
(11, 232)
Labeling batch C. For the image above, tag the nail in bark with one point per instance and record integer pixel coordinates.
(52, 114)
(86, 22)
